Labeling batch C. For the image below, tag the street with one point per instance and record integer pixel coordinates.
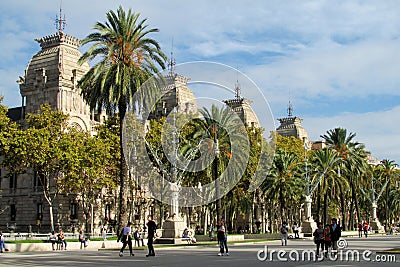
(241, 254)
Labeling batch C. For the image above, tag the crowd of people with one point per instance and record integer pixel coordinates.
(326, 238)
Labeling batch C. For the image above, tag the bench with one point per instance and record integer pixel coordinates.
(188, 240)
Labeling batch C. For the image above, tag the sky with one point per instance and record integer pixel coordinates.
(337, 62)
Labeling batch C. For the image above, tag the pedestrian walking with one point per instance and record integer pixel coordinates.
(366, 228)
(104, 232)
(126, 238)
(2, 243)
(222, 239)
(360, 230)
(327, 239)
(319, 238)
(336, 233)
(295, 229)
(284, 233)
(151, 228)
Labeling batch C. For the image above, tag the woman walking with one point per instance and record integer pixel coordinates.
(319, 238)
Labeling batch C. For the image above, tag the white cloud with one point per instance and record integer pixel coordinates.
(367, 68)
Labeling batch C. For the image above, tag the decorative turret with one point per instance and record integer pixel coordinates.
(291, 126)
(175, 94)
(52, 75)
(242, 107)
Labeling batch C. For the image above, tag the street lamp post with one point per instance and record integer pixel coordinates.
(174, 224)
(215, 173)
(308, 225)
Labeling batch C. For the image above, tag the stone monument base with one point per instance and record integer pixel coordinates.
(376, 226)
(308, 228)
(173, 228)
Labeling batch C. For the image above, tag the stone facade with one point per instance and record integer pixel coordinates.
(291, 126)
(176, 94)
(51, 77)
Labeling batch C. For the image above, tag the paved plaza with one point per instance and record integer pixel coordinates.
(241, 254)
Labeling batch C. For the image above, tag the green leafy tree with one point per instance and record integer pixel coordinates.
(89, 168)
(46, 131)
(127, 58)
(225, 138)
(9, 141)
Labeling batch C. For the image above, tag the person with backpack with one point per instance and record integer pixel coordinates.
(151, 228)
(319, 237)
(284, 233)
(126, 238)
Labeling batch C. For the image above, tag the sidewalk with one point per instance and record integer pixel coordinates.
(114, 245)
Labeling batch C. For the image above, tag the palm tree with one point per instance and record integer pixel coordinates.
(324, 163)
(127, 58)
(224, 140)
(353, 157)
(388, 172)
(282, 183)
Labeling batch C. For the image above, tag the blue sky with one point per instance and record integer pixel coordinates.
(337, 61)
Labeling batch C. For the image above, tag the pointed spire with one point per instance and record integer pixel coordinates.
(171, 63)
(60, 21)
(237, 85)
(237, 89)
(290, 109)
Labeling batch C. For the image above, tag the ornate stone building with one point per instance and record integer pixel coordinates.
(50, 77)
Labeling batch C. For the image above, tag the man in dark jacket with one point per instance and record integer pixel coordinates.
(151, 227)
(336, 233)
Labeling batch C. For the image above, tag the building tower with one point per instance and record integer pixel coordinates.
(51, 77)
(175, 94)
(291, 126)
(242, 107)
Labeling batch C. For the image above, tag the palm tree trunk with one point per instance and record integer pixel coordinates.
(122, 219)
(351, 214)
(318, 202)
(354, 196)
(325, 215)
(342, 209)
